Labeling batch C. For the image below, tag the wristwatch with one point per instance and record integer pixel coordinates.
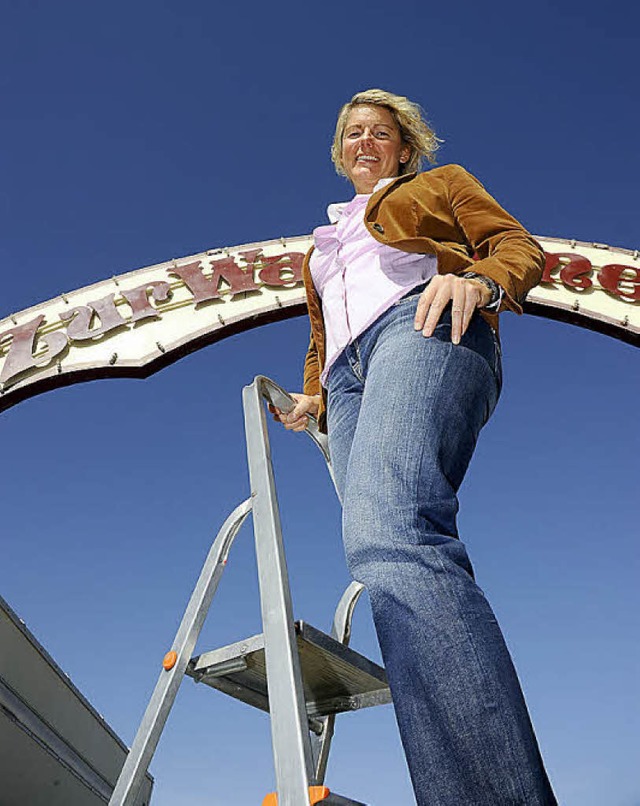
(494, 288)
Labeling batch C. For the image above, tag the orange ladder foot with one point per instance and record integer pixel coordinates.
(316, 794)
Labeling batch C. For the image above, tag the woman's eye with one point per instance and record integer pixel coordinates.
(382, 134)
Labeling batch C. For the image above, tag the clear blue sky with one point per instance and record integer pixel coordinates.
(136, 132)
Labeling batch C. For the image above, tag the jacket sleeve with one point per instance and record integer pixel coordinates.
(311, 382)
(508, 254)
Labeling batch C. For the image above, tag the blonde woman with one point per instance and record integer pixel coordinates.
(403, 370)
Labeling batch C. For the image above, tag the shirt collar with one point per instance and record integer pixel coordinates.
(335, 210)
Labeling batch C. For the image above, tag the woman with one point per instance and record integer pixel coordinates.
(403, 370)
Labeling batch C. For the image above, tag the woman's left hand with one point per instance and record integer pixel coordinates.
(464, 294)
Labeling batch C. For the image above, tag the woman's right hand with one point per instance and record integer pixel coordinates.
(297, 419)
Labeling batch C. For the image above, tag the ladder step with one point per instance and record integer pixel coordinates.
(336, 678)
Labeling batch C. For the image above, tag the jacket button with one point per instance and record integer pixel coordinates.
(378, 228)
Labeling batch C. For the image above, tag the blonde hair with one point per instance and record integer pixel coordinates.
(414, 130)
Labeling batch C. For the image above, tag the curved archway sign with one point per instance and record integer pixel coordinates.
(137, 323)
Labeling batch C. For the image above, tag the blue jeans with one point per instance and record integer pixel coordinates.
(404, 414)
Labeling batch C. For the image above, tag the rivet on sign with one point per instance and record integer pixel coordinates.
(160, 347)
(576, 305)
(113, 359)
(279, 304)
(625, 321)
(169, 660)
(220, 319)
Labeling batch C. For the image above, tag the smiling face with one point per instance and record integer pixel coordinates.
(372, 147)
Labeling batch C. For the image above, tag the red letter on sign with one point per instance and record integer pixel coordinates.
(138, 299)
(290, 264)
(551, 262)
(573, 274)
(81, 317)
(20, 357)
(206, 288)
(612, 275)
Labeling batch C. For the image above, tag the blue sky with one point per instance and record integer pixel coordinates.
(134, 133)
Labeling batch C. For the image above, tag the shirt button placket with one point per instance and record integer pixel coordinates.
(343, 275)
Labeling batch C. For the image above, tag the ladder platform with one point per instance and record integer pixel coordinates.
(335, 678)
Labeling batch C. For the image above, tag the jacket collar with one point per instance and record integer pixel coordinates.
(379, 195)
(335, 210)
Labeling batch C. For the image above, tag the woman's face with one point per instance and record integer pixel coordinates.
(372, 148)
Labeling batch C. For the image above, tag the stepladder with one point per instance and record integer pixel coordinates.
(302, 676)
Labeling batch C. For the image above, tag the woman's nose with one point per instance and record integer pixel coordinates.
(366, 137)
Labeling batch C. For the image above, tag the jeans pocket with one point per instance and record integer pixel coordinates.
(411, 295)
(403, 301)
(483, 340)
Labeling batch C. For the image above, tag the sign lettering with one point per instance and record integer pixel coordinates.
(207, 288)
(576, 273)
(22, 347)
(82, 317)
(138, 299)
(612, 276)
(101, 318)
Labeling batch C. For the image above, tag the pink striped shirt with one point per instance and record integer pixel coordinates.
(357, 277)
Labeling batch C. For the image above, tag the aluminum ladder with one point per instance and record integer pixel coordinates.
(312, 676)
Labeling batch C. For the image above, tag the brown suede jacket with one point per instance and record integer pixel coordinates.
(445, 212)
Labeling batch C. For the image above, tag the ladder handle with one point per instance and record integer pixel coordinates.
(281, 399)
(341, 631)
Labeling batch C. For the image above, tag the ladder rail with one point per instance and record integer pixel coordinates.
(166, 689)
(341, 629)
(293, 759)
